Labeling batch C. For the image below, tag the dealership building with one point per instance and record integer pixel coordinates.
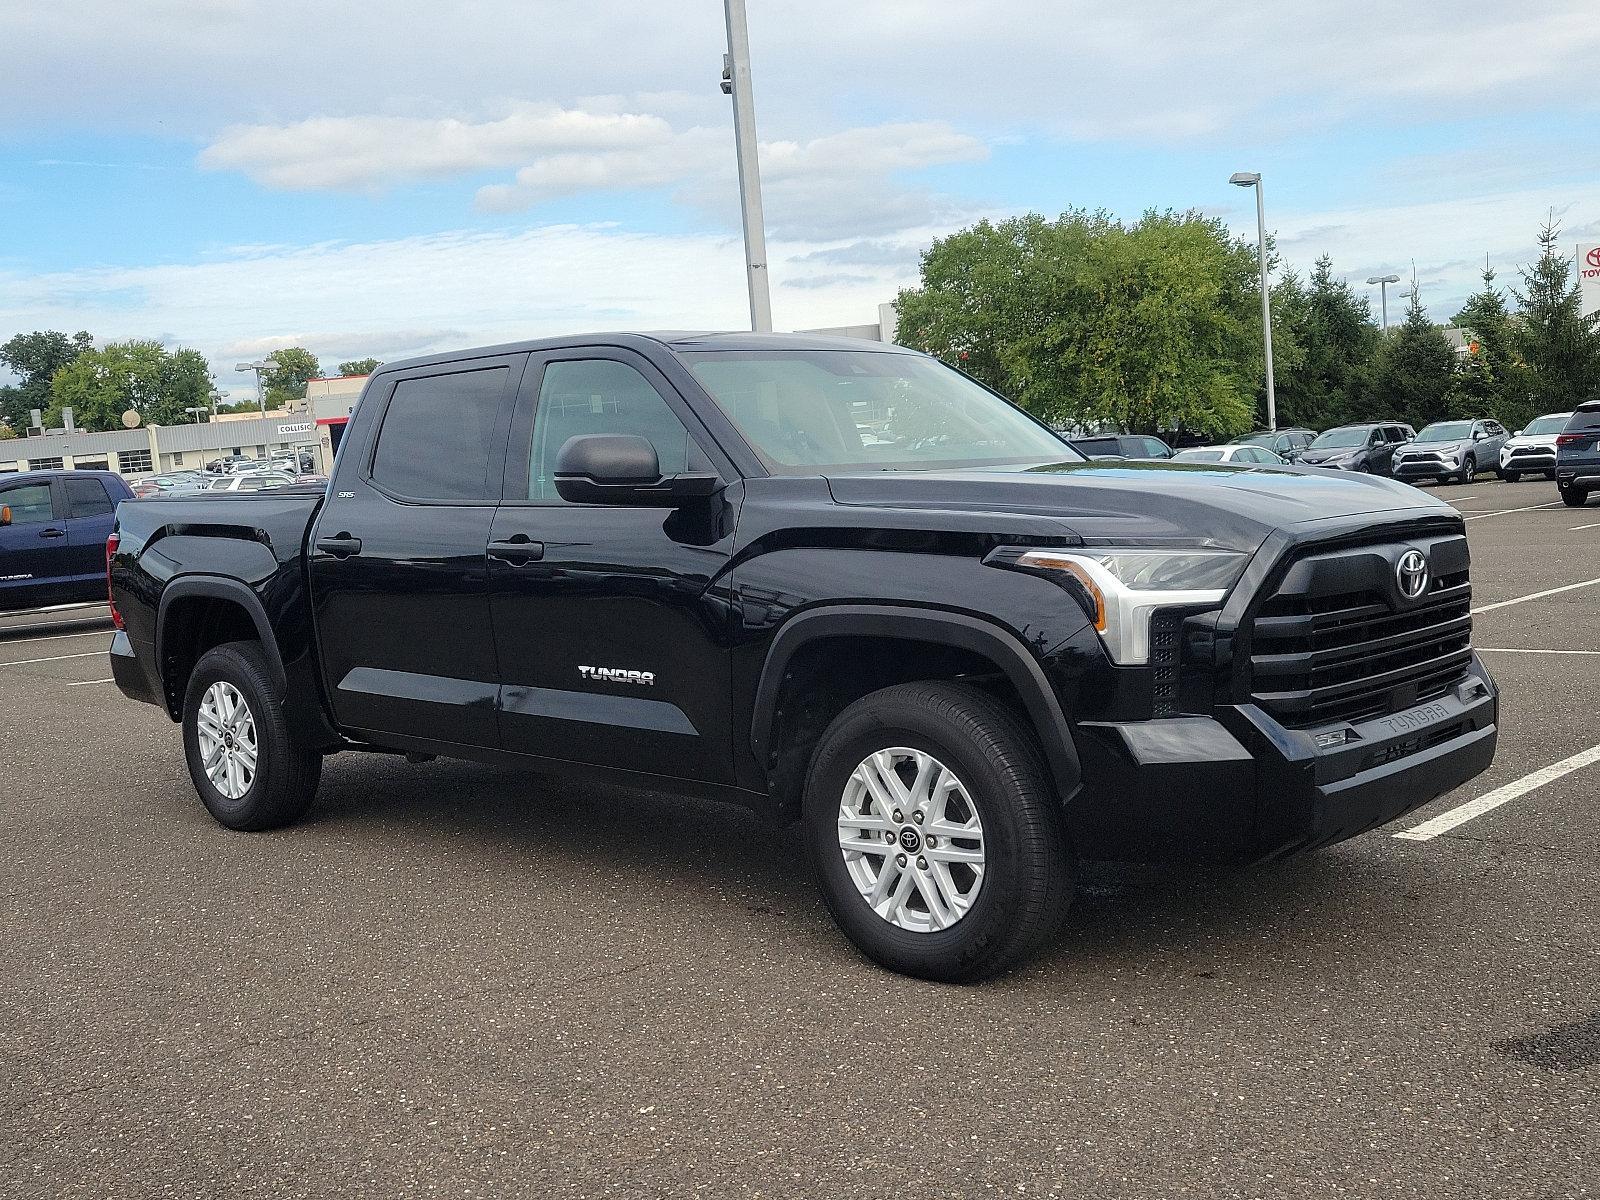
(314, 424)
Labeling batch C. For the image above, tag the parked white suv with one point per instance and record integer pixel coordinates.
(1534, 449)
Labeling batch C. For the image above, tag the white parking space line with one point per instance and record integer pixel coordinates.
(90, 682)
(1575, 528)
(53, 637)
(1490, 801)
(26, 662)
(1534, 596)
(1508, 650)
(1500, 512)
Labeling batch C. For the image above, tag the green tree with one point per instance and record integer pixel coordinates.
(293, 368)
(1414, 375)
(1329, 332)
(1494, 379)
(35, 358)
(99, 385)
(359, 366)
(1560, 346)
(1084, 319)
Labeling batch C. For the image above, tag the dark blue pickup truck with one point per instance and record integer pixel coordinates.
(53, 530)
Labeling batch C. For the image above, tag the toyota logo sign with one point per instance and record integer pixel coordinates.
(1593, 257)
(1411, 573)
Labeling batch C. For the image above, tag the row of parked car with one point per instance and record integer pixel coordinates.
(1564, 447)
(233, 474)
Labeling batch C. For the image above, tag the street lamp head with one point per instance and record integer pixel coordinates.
(263, 365)
(1245, 178)
(1383, 279)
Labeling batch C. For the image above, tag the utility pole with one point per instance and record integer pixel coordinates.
(736, 83)
(1253, 179)
(1383, 282)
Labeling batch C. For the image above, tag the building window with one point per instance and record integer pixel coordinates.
(8, 468)
(44, 464)
(177, 459)
(90, 464)
(133, 461)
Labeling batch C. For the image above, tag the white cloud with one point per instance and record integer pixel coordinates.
(369, 151)
(421, 294)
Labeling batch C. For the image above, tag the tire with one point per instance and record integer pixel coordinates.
(1550, 475)
(1511, 476)
(1574, 497)
(982, 924)
(280, 786)
(1469, 468)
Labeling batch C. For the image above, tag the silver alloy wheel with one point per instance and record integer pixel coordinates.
(912, 839)
(227, 736)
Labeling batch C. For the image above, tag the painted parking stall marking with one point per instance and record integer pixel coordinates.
(1570, 587)
(1490, 801)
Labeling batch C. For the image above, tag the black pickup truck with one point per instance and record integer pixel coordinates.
(832, 580)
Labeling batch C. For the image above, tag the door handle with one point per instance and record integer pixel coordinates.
(340, 545)
(52, 533)
(517, 550)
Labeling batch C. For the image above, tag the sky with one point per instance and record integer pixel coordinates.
(407, 177)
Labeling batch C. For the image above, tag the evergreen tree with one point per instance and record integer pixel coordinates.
(1494, 379)
(1560, 346)
(1414, 377)
(1332, 329)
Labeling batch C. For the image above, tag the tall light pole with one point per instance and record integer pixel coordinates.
(736, 83)
(1253, 179)
(1383, 282)
(259, 367)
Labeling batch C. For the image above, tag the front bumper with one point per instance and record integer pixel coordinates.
(1529, 460)
(1240, 787)
(1426, 469)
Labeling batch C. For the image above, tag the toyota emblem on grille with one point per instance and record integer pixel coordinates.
(1411, 573)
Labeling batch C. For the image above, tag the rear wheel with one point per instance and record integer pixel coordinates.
(245, 763)
(936, 834)
(1574, 497)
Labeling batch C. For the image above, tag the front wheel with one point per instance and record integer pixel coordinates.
(1469, 468)
(1511, 476)
(936, 833)
(246, 765)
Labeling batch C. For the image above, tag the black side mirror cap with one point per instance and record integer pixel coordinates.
(610, 468)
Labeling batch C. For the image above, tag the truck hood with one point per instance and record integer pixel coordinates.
(1221, 504)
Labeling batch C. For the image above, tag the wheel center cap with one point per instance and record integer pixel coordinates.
(910, 840)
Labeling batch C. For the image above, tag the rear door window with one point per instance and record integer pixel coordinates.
(438, 436)
(29, 504)
(1585, 420)
(87, 498)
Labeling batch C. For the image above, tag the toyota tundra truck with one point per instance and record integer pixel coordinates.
(835, 581)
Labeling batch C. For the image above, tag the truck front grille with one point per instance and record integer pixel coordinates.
(1336, 642)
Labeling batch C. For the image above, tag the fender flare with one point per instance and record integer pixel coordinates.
(219, 587)
(939, 626)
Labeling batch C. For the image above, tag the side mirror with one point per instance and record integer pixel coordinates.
(608, 468)
(5, 515)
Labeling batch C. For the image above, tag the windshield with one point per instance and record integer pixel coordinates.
(1198, 456)
(1338, 438)
(1553, 424)
(1446, 431)
(806, 410)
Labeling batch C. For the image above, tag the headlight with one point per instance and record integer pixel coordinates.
(1124, 587)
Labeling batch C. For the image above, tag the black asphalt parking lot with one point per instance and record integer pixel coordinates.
(455, 980)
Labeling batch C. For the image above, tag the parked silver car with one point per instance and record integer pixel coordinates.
(1451, 450)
